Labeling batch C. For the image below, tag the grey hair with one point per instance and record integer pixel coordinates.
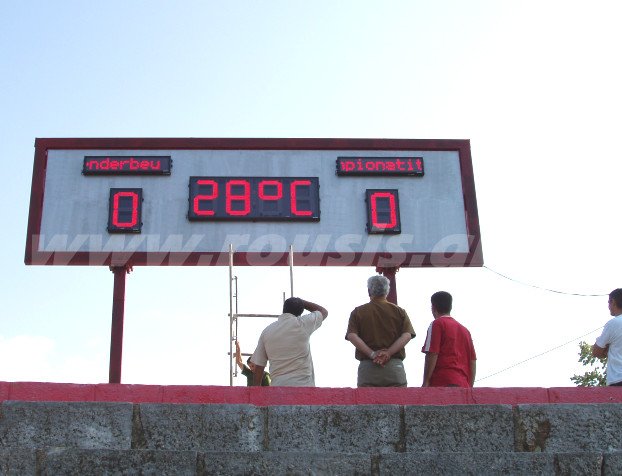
(378, 286)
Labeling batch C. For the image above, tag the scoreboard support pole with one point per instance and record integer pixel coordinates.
(116, 331)
(389, 273)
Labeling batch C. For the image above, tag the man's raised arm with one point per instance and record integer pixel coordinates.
(311, 306)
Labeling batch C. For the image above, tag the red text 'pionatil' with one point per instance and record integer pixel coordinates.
(380, 166)
(127, 165)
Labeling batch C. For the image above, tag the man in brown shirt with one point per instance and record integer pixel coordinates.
(380, 330)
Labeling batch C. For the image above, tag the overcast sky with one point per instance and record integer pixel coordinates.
(535, 87)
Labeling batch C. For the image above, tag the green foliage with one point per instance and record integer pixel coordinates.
(596, 376)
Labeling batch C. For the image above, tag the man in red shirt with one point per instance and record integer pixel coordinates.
(449, 353)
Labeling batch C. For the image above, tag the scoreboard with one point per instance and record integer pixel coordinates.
(333, 202)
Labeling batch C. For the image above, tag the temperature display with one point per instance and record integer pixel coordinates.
(254, 198)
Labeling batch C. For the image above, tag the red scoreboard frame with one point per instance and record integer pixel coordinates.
(354, 157)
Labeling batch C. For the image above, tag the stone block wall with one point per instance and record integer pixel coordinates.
(55, 437)
(126, 438)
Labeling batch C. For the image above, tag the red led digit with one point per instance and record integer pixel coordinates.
(116, 221)
(270, 183)
(374, 210)
(212, 196)
(293, 192)
(244, 198)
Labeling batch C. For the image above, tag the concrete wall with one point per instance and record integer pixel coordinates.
(266, 396)
(47, 435)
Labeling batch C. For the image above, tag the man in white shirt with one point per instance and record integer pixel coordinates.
(609, 343)
(285, 343)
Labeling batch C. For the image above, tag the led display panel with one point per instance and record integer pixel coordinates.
(125, 210)
(383, 211)
(331, 202)
(387, 166)
(126, 165)
(254, 198)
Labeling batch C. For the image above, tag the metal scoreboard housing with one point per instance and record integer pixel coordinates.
(124, 201)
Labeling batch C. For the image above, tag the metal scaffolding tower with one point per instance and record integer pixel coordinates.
(233, 306)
